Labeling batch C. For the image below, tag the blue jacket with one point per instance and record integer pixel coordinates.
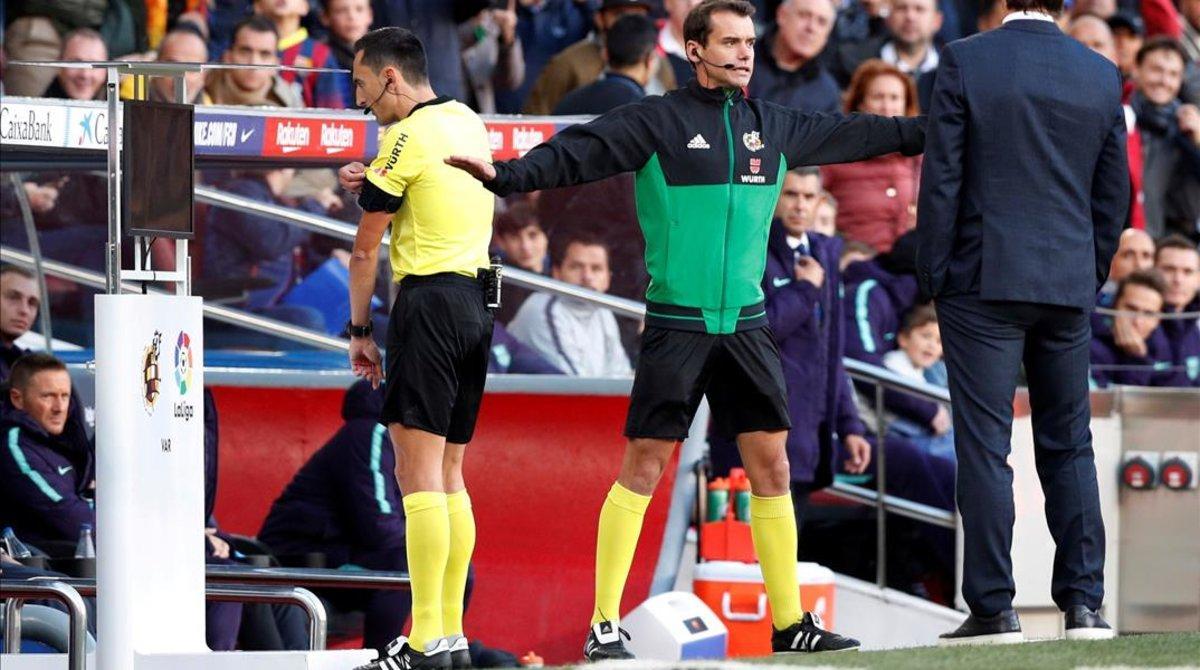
(875, 303)
(509, 356)
(45, 495)
(346, 494)
(810, 88)
(1183, 337)
(807, 324)
(1025, 183)
(544, 31)
(242, 245)
(610, 91)
(1153, 369)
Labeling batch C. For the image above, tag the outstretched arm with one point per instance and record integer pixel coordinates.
(617, 142)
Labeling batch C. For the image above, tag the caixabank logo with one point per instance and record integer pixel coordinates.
(151, 379)
(183, 376)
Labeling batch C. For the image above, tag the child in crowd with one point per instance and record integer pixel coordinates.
(825, 216)
(920, 350)
(330, 90)
(347, 20)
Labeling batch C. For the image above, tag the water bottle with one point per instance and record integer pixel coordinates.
(14, 546)
(718, 499)
(739, 486)
(85, 548)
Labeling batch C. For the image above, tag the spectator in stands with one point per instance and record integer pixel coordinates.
(255, 42)
(435, 22)
(912, 25)
(670, 39)
(162, 16)
(859, 21)
(825, 218)
(493, 58)
(345, 503)
(919, 350)
(1189, 14)
(787, 68)
(324, 89)
(801, 286)
(1170, 137)
(1178, 261)
(80, 83)
(1129, 34)
(1091, 31)
(1102, 9)
(239, 245)
(523, 244)
(47, 468)
(509, 356)
(1135, 251)
(629, 62)
(347, 20)
(1145, 358)
(877, 197)
(582, 63)
(576, 336)
(545, 28)
(878, 293)
(181, 45)
(20, 300)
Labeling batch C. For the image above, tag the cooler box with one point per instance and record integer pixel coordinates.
(735, 592)
(674, 626)
(327, 289)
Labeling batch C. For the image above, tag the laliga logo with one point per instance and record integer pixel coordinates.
(183, 376)
(151, 381)
(183, 362)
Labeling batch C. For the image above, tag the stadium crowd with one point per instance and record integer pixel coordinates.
(840, 278)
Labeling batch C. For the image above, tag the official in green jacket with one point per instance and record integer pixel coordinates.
(709, 166)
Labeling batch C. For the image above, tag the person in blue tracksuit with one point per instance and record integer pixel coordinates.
(345, 503)
(805, 316)
(1147, 359)
(877, 294)
(47, 466)
(1178, 259)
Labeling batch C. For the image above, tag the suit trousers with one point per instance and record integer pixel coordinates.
(985, 344)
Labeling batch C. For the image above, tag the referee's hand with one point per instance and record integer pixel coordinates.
(365, 360)
(351, 176)
(476, 167)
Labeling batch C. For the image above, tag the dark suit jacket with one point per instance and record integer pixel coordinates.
(1025, 186)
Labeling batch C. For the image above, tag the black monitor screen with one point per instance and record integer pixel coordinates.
(157, 169)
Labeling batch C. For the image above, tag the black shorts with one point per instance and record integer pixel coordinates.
(739, 372)
(438, 339)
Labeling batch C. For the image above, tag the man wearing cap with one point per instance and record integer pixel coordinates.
(582, 63)
(709, 164)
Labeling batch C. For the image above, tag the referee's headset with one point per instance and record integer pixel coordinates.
(387, 89)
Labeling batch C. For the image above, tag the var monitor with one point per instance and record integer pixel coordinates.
(156, 165)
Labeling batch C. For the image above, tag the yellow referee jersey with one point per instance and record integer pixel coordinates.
(445, 221)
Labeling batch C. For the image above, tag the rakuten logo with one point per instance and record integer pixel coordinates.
(336, 138)
(292, 137)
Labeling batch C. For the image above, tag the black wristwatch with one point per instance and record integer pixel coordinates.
(360, 331)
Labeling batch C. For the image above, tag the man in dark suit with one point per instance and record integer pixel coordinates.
(630, 61)
(1024, 192)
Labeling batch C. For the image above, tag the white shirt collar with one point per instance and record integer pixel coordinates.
(795, 242)
(888, 54)
(1029, 16)
(668, 43)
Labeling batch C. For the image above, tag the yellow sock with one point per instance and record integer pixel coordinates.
(462, 545)
(428, 530)
(616, 541)
(773, 527)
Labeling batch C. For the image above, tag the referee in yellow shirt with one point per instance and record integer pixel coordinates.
(440, 328)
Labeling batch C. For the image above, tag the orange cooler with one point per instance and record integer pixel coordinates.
(736, 593)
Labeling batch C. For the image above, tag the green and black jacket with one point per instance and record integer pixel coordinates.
(709, 166)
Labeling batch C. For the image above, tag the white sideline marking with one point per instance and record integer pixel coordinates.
(703, 665)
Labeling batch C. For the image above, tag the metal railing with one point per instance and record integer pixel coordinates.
(313, 578)
(275, 594)
(886, 380)
(17, 592)
(344, 231)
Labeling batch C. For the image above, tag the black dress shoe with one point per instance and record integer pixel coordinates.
(1003, 628)
(1084, 624)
